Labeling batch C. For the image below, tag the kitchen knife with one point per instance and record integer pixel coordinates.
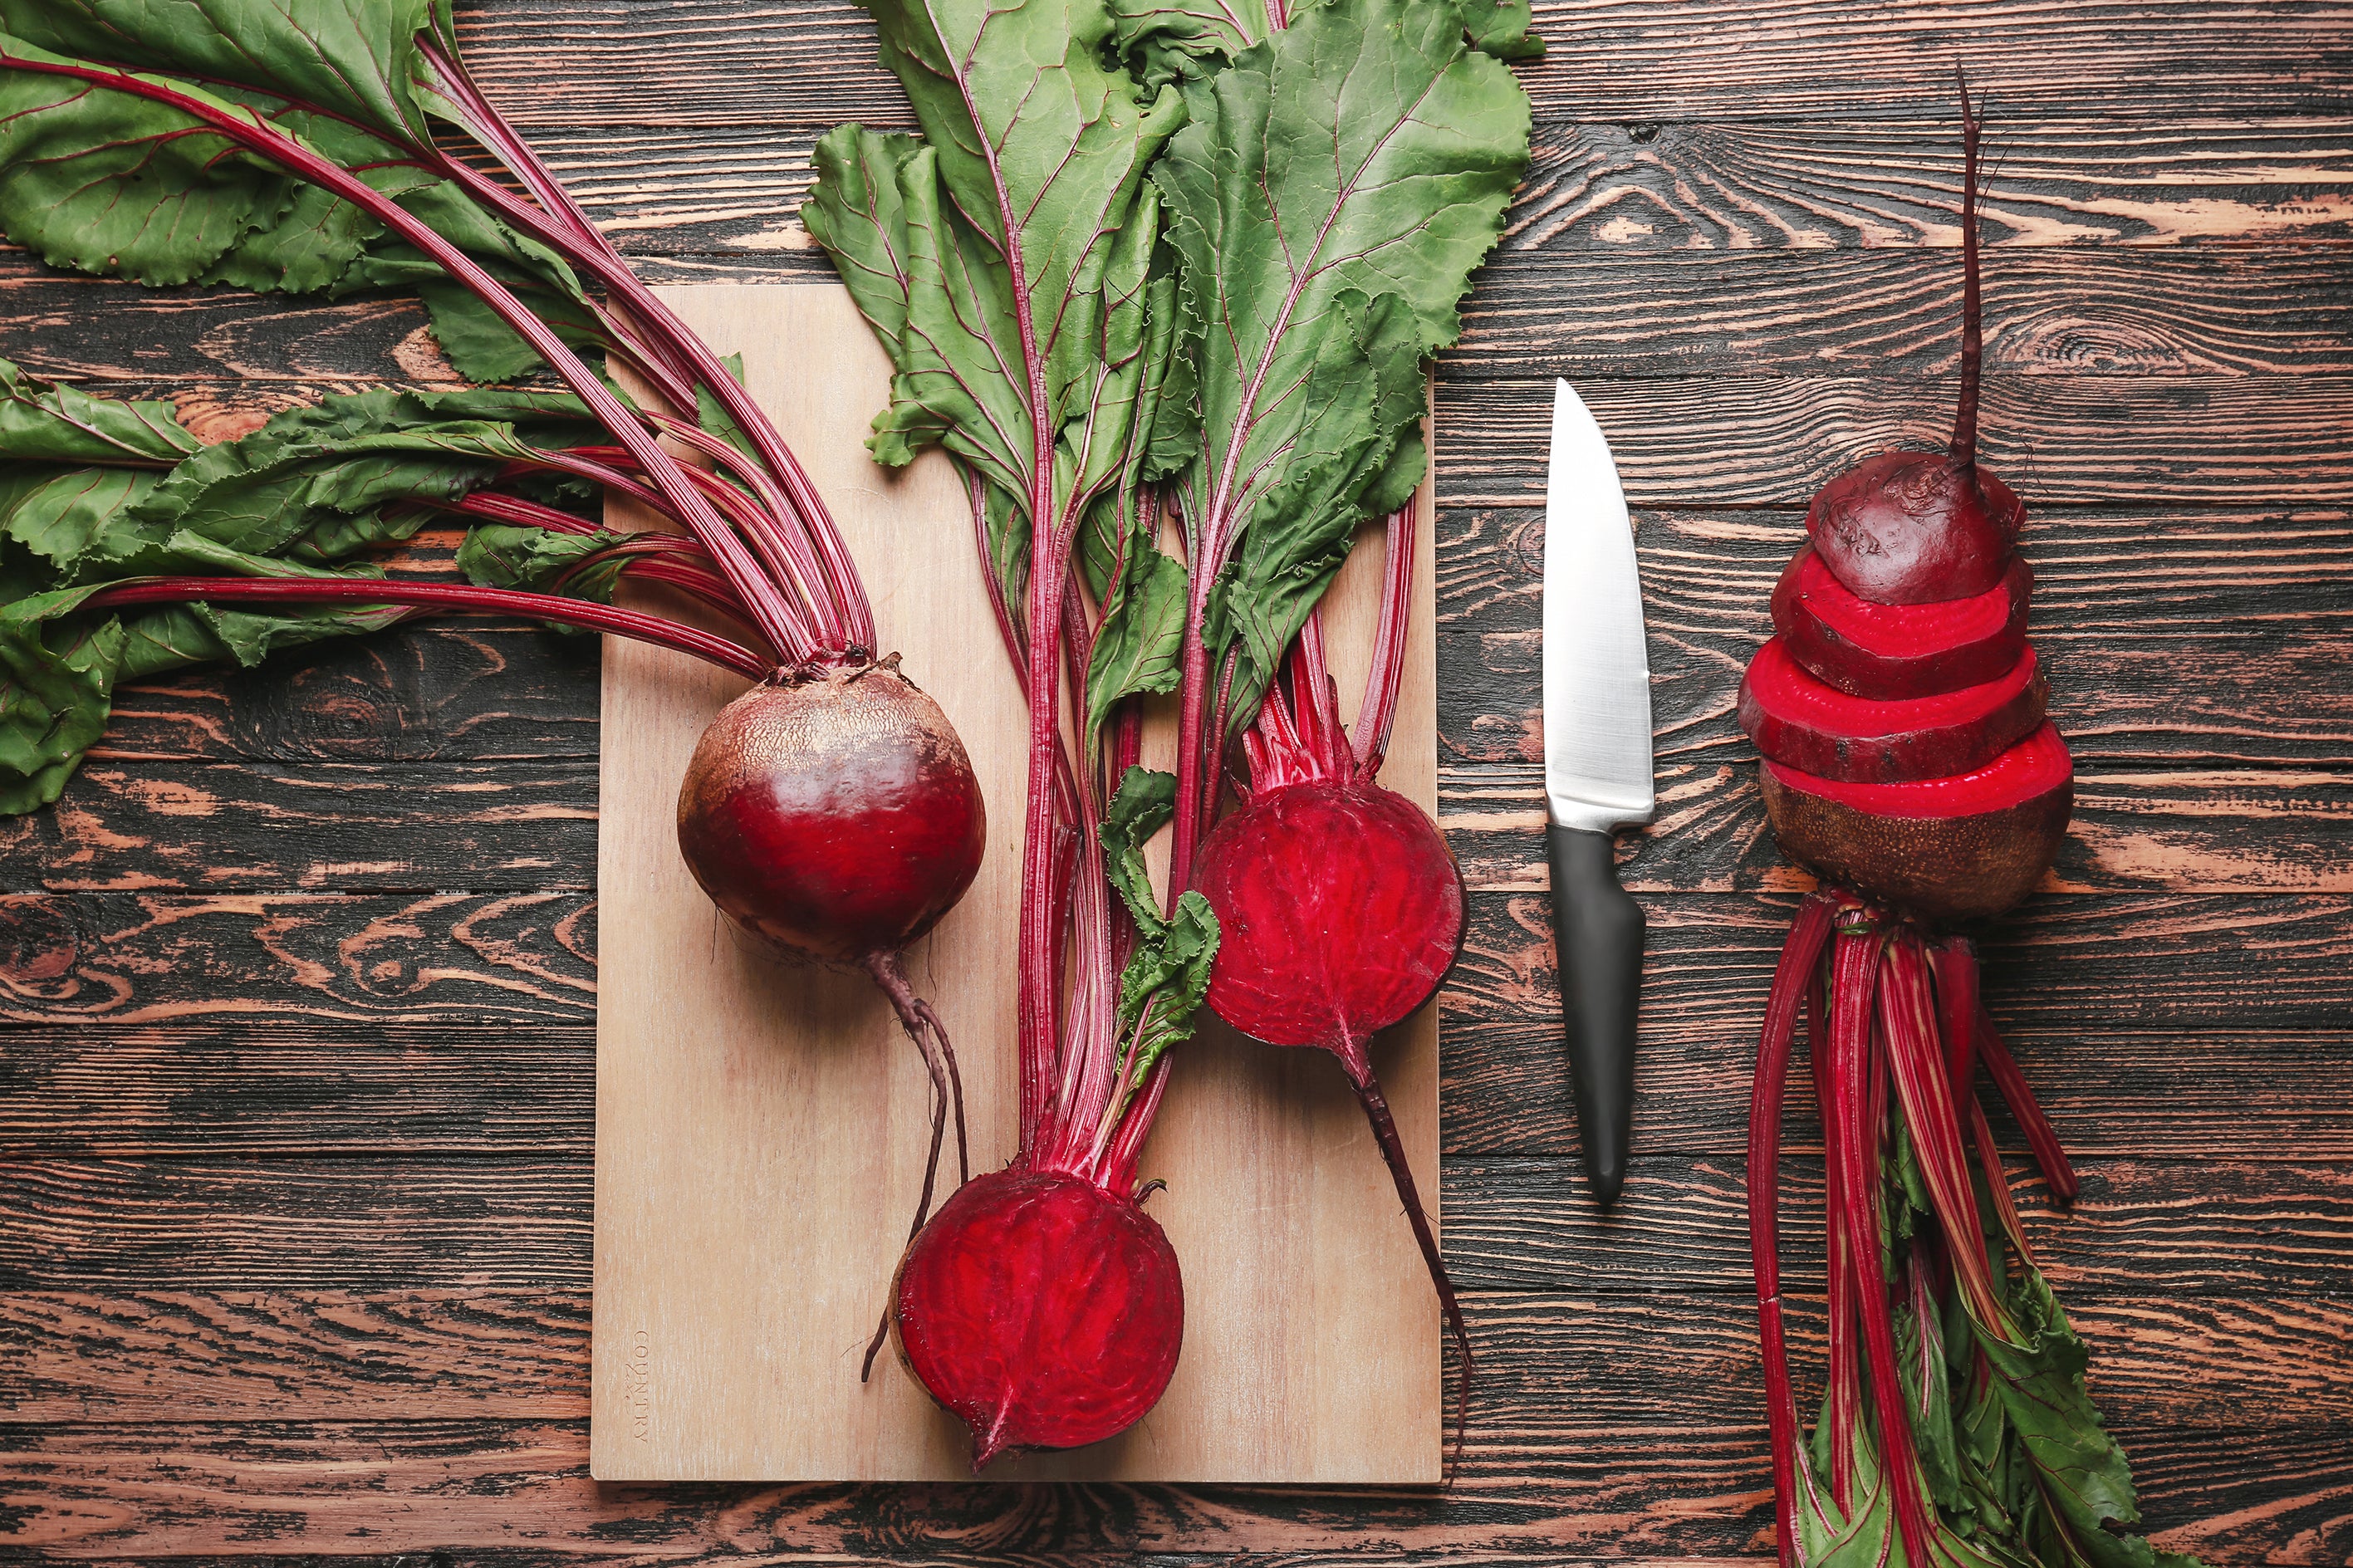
(1597, 730)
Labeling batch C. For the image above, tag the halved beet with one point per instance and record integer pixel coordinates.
(1802, 723)
(1958, 848)
(1910, 528)
(1043, 1310)
(1890, 651)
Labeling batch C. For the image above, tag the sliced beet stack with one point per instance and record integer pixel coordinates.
(1909, 763)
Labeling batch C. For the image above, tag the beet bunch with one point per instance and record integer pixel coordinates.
(1908, 760)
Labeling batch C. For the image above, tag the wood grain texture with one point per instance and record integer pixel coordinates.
(207, 1089)
(2057, 439)
(2222, 1226)
(496, 1491)
(2260, 309)
(297, 994)
(126, 1357)
(2065, 961)
(738, 62)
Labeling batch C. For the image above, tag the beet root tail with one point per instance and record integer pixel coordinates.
(1384, 1133)
(922, 1025)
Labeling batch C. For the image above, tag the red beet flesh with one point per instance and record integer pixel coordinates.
(1339, 908)
(1890, 651)
(1959, 848)
(1915, 528)
(1800, 722)
(835, 816)
(1040, 1309)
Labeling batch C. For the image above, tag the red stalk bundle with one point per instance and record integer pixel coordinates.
(1339, 906)
(1955, 1427)
(830, 811)
(1041, 1305)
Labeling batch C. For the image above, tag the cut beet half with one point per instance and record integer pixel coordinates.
(1890, 651)
(1816, 729)
(1958, 848)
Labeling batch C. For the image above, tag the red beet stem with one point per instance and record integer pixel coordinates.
(1998, 1187)
(1800, 957)
(1386, 676)
(2040, 1135)
(1908, 1022)
(1965, 421)
(1384, 1133)
(436, 596)
(844, 614)
(1855, 1138)
(1955, 965)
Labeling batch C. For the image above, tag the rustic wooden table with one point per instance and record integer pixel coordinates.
(298, 979)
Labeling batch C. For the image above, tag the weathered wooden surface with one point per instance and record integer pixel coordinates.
(297, 986)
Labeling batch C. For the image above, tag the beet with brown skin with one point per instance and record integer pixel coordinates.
(1016, 1252)
(1886, 652)
(1942, 850)
(1802, 723)
(834, 816)
(1915, 528)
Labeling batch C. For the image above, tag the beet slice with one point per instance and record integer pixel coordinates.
(1886, 652)
(1958, 848)
(1799, 722)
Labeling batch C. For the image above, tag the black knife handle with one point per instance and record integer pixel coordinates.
(1598, 934)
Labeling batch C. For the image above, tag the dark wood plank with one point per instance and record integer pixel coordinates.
(126, 1358)
(504, 1492)
(211, 1089)
(2058, 439)
(2127, 962)
(472, 690)
(742, 62)
(267, 958)
(293, 1089)
(2091, 312)
(1585, 312)
(509, 826)
(153, 825)
(731, 190)
(2222, 1227)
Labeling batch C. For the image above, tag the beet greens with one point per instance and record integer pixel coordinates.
(314, 148)
(1236, 344)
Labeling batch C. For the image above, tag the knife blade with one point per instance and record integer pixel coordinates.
(1597, 773)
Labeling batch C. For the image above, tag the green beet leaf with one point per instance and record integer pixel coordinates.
(504, 555)
(1333, 190)
(1161, 989)
(46, 422)
(313, 483)
(355, 57)
(1003, 258)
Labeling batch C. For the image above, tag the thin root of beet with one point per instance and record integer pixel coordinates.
(1385, 1132)
(931, 1038)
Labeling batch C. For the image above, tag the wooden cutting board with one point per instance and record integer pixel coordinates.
(760, 1127)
